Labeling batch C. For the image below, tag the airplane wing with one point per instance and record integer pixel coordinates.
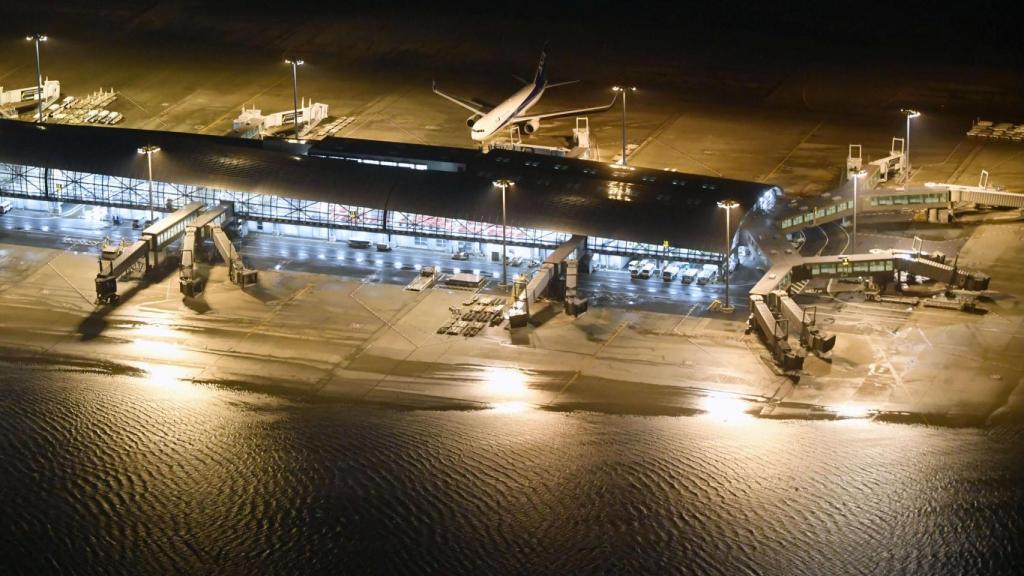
(557, 84)
(563, 113)
(467, 104)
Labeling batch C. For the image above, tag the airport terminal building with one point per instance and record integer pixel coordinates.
(410, 195)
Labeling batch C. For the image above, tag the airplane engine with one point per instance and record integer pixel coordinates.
(531, 126)
(472, 120)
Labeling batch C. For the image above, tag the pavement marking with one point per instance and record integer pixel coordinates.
(825, 234)
(11, 71)
(575, 376)
(799, 144)
(63, 277)
(675, 329)
(897, 379)
(352, 295)
(689, 157)
(650, 138)
(231, 110)
(609, 340)
(139, 106)
(847, 245)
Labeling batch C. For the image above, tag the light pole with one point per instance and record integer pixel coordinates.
(906, 153)
(504, 184)
(856, 176)
(295, 62)
(728, 205)
(623, 90)
(148, 151)
(37, 38)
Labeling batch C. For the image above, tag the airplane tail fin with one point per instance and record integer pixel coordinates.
(541, 76)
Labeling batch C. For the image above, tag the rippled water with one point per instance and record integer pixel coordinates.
(150, 475)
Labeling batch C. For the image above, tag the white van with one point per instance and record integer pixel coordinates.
(5, 206)
(706, 275)
(670, 272)
(647, 269)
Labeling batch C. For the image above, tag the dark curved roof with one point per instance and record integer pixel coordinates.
(551, 193)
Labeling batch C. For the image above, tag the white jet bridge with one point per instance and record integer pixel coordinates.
(145, 252)
(527, 305)
(11, 101)
(209, 224)
(252, 123)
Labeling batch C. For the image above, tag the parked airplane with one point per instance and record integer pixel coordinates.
(485, 122)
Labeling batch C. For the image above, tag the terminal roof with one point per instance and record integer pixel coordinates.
(550, 193)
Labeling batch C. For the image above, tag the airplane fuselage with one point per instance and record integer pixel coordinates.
(506, 112)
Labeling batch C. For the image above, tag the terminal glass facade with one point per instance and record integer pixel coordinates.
(54, 185)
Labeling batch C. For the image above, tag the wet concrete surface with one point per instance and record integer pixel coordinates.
(346, 329)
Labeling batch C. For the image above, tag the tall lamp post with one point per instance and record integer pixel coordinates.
(295, 62)
(728, 205)
(36, 39)
(856, 176)
(148, 151)
(623, 90)
(906, 153)
(504, 184)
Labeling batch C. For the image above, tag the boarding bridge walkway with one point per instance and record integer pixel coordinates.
(209, 224)
(778, 316)
(143, 253)
(931, 195)
(526, 305)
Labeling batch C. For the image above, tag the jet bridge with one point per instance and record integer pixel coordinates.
(775, 331)
(801, 322)
(209, 224)
(892, 165)
(981, 194)
(549, 272)
(144, 253)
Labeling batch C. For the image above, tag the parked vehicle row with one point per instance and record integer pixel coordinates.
(686, 272)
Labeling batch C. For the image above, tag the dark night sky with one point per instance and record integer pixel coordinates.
(982, 31)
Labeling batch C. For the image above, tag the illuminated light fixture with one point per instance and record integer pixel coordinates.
(148, 150)
(504, 184)
(727, 205)
(295, 63)
(623, 90)
(906, 153)
(36, 39)
(856, 176)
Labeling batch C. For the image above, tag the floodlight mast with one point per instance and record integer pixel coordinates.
(148, 150)
(623, 90)
(504, 184)
(295, 63)
(728, 205)
(36, 39)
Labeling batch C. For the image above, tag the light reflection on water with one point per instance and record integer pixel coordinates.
(135, 475)
(726, 408)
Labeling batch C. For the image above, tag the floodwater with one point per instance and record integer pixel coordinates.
(104, 473)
